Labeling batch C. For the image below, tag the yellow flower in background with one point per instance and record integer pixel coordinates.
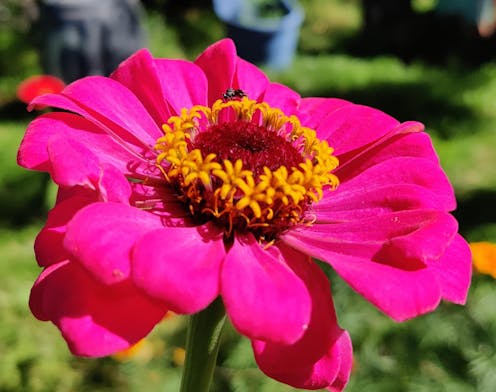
(150, 347)
(142, 350)
(484, 257)
(178, 356)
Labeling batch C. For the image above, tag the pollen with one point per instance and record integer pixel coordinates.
(246, 166)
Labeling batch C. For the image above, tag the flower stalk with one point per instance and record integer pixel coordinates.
(202, 347)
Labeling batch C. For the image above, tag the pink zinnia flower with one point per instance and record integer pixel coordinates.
(180, 182)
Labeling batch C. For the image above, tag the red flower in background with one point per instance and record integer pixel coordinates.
(35, 86)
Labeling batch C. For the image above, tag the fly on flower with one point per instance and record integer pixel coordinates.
(231, 94)
(181, 182)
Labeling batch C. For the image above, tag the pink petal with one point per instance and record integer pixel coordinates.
(48, 246)
(101, 236)
(359, 203)
(406, 140)
(282, 97)
(387, 259)
(54, 100)
(263, 297)
(95, 320)
(454, 270)
(139, 74)
(118, 105)
(66, 193)
(118, 111)
(313, 111)
(33, 152)
(428, 242)
(218, 62)
(398, 292)
(49, 242)
(318, 357)
(344, 350)
(183, 83)
(180, 266)
(250, 79)
(401, 171)
(405, 239)
(354, 126)
(164, 203)
(113, 186)
(72, 163)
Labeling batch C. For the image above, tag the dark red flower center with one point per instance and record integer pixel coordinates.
(255, 145)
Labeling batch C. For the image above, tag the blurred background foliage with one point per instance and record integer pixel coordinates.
(449, 89)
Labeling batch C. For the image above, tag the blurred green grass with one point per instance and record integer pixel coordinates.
(452, 349)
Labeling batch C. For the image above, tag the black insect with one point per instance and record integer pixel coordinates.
(232, 94)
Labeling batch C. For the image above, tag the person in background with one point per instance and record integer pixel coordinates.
(88, 37)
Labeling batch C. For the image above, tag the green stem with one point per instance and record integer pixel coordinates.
(202, 347)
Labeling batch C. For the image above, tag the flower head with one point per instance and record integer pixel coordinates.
(183, 181)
